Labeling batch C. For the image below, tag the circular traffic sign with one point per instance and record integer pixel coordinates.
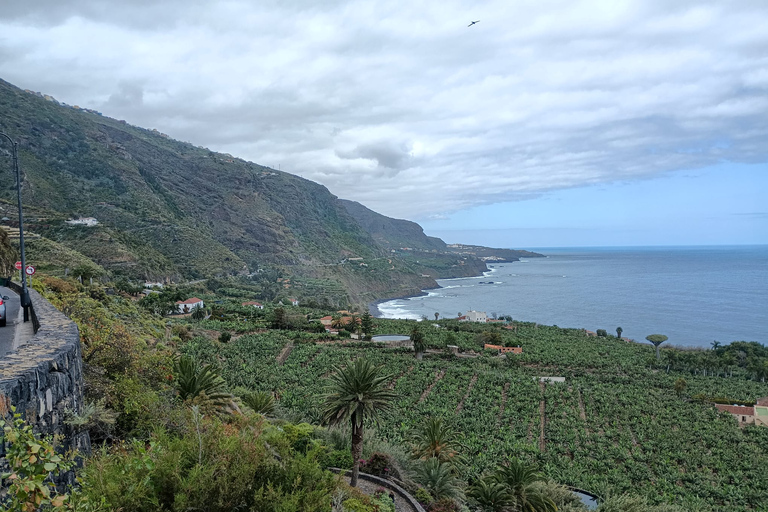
(29, 270)
(18, 265)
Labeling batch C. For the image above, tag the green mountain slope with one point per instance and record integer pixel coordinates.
(168, 209)
(392, 233)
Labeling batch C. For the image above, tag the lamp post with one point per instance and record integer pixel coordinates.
(24, 292)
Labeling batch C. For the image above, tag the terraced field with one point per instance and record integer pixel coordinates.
(616, 425)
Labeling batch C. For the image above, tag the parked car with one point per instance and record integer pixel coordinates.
(2, 310)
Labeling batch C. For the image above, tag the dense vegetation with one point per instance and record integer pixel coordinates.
(618, 424)
(181, 430)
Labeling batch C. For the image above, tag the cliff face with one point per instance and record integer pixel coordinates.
(168, 209)
(392, 233)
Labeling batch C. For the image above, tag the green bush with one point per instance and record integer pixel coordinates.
(422, 496)
(232, 466)
(337, 459)
(356, 505)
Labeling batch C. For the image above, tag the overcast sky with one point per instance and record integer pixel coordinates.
(523, 122)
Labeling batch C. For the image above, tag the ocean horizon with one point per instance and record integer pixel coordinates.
(693, 294)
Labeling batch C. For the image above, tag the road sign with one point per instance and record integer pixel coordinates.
(30, 270)
(18, 265)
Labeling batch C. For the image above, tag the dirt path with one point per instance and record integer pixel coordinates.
(439, 376)
(287, 349)
(469, 390)
(503, 402)
(401, 505)
(542, 419)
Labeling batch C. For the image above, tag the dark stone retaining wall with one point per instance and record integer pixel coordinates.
(387, 484)
(44, 377)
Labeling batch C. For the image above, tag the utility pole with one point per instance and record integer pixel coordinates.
(24, 291)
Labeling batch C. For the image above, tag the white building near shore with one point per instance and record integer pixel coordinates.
(476, 316)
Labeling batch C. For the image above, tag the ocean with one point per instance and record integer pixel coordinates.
(694, 295)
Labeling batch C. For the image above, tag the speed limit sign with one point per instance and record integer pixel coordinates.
(30, 270)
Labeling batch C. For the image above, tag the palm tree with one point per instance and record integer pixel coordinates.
(260, 401)
(417, 337)
(437, 477)
(436, 439)
(201, 382)
(519, 478)
(489, 496)
(337, 322)
(357, 392)
(619, 330)
(198, 313)
(657, 339)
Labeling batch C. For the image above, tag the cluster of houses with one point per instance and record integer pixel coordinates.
(187, 306)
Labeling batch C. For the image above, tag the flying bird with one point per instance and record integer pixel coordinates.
(478, 21)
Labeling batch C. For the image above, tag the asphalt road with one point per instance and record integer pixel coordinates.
(8, 332)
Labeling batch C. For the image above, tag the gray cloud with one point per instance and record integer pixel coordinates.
(400, 105)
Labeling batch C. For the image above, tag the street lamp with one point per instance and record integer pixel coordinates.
(24, 291)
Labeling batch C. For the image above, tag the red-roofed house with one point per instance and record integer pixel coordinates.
(742, 413)
(294, 302)
(326, 320)
(257, 305)
(185, 306)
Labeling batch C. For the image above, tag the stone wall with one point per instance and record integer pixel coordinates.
(44, 377)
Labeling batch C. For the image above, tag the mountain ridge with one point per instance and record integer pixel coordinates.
(166, 209)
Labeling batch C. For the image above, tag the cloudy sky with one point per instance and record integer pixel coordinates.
(547, 123)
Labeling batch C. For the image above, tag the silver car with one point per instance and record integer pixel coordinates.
(2, 310)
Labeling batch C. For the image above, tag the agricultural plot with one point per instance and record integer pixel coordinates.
(614, 426)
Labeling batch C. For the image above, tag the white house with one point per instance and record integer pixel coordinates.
(257, 305)
(294, 302)
(86, 221)
(186, 306)
(476, 316)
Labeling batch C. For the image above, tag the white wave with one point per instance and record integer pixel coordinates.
(393, 309)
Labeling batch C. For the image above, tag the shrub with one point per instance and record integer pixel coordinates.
(383, 501)
(341, 459)
(58, 285)
(422, 496)
(224, 337)
(31, 460)
(377, 464)
(357, 505)
(444, 505)
(222, 466)
(602, 333)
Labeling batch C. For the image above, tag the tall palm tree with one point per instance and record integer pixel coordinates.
(356, 393)
(437, 439)
(519, 479)
(417, 337)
